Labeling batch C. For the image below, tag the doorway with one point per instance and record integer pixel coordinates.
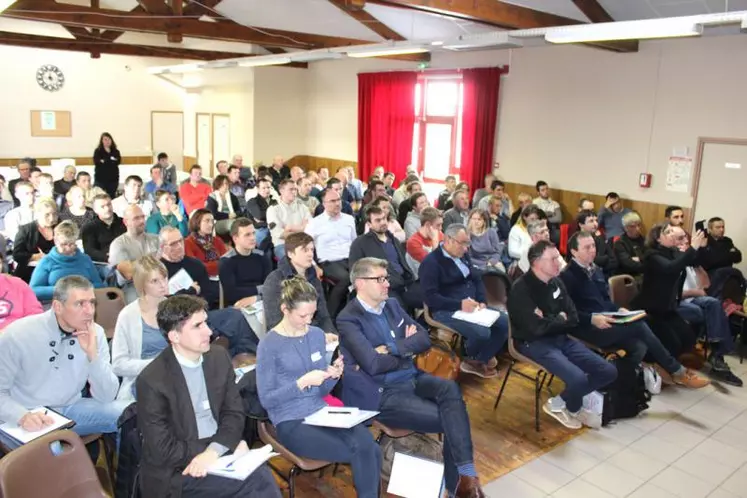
(721, 176)
(167, 135)
(204, 140)
(221, 139)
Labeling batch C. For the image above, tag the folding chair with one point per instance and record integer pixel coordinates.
(455, 339)
(623, 289)
(110, 301)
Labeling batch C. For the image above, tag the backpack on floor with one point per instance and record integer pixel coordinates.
(416, 444)
(626, 396)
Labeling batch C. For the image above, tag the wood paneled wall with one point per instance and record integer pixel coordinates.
(651, 213)
(315, 163)
(46, 161)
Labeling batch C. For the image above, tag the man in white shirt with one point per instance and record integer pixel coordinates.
(334, 233)
(22, 214)
(551, 208)
(132, 196)
(286, 217)
(537, 231)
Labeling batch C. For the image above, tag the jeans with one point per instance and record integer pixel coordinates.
(92, 416)
(581, 369)
(339, 271)
(708, 310)
(635, 338)
(260, 483)
(355, 446)
(261, 234)
(483, 343)
(430, 404)
(279, 251)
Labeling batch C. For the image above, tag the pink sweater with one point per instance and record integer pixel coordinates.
(16, 300)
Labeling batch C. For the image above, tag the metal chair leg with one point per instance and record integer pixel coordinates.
(294, 471)
(537, 390)
(334, 469)
(503, 386)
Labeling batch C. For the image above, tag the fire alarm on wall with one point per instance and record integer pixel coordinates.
(644, 180)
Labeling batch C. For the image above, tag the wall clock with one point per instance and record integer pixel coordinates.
(50, 78)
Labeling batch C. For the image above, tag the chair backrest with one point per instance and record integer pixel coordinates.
(221, 304)
(563, 242)
(110, 301)
(497, 286)
(515, 354)
(69, 473)
(623, 289)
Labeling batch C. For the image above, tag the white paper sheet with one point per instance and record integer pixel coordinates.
(241, 371)
(25, 436)
(331, 346)
(415, 477)
(180, 281)
(242, 466)
(485, 317)
(339, 417)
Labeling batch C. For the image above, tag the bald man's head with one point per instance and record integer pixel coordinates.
(134, 219)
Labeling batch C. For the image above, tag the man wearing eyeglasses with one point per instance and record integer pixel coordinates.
(171, 250)
(450, 284)
(46, 361)
(378, 343)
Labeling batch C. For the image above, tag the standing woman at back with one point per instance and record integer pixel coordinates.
(106, 159)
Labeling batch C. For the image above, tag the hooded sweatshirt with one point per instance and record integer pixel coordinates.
(16, 300)
(55, 266)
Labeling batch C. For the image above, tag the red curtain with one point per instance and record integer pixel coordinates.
(479, 115)
(386, 116)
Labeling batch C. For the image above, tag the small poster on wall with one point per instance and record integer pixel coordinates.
(48, 120)
(679, 174)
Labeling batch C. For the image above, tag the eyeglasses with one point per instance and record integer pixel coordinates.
(379, 280)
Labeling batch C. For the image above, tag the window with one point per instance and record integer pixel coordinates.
(436, 144)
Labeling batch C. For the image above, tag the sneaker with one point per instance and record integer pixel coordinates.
(726, 376)
(588, 418)
(478, 368)
(717, 362)
(691, 380)
(562, 416)
(493, 362)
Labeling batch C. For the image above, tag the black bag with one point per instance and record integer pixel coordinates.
(626, 396)
(254, 410)
(130, 450)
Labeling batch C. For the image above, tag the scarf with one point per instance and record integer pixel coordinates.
(206, 243)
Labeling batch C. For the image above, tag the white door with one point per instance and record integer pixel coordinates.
(167, 135)
(221, 138)
(723, 175)
(204, 140)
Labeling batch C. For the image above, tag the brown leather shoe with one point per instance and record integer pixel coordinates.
(469, 487)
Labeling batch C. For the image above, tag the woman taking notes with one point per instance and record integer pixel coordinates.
(292, 379)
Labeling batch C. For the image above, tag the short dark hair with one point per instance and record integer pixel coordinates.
(196, 219)
(411, 185)
(375, 183)
(194, 167)
(583, 215)
(715, 219)
(611, 195)
(219, 181)
(333, 181)
(671, 209)
(285, 182)
(156, 166)
(531, 209)
(414, 198)
(240, 223)
(652, 239)
(537, 249)
(263, 180)
(157, 196)
(232, 167)
(162, 155)
(429, 215)
(34, 169)
(497, 183)
(101, 197)
(388, 173)
(297, 239)
(174, 312)
(539, 184)
(372, 210)
(576, 238)
(133, 178)
(323, 195)
(409, 179)
(450, 177)
(82, 173)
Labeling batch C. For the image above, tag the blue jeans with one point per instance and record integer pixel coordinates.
(430, 404)
(355, 446)
(93, 416)
(279, 251)
(635, 338)
(261, 234)
(581, 369)
(708, 310)
(483, 343)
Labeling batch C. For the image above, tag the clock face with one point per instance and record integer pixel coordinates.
(50, 78)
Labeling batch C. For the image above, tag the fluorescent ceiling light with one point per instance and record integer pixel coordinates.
(483, 41)
(384, 51)
(626, 30)
(178, 69)
(265, 61)
(314, 56)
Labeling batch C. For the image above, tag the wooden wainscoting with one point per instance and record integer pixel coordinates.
(315, 163)
(46, 161)
(651, 213)
(189, 161)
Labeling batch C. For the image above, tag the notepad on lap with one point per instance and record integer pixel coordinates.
(623, 317)
(180, 281)
(23, 436)
(415, 477)
(339, 417)
(240, 467)
(485, 316)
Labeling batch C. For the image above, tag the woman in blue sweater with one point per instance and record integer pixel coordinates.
(292, 379)
(64, 259)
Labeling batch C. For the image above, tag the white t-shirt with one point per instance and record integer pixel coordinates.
(332, 236)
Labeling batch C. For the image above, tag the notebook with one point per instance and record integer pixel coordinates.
(485, 316)
(620, 318)
(22, 436)
(415, 477)
(240, 467)
(339, 417)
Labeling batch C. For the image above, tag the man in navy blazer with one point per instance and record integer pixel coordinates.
(378, 341)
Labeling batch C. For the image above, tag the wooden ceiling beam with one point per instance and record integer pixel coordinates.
(593, 10)
(353, 9)
(500, 14)
(56, 43)
(157, 7)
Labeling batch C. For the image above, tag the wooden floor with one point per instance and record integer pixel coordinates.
(503, 439)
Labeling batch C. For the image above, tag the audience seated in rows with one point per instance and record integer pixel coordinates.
(426, 239)
(605, 256)
(380, 243)
(523, 200)
(459, 213)
(98, 235)
(63, 259)
(543, 318)
(243, 268)
(194, 193)
(288, 216)
(298, 261)
(450, 284)
(202, 244)
(611, 216)
(485, 250)
(393, 225)
(190, 412)
(171, 248)
(378, 342)
(18, 300)
(132, 197)
(166, 214)
(47, 360)
(132, 245)
(630, 246)
(35, 239)
(157, 181)
(75, 209)
(223, 205)
(408, 204)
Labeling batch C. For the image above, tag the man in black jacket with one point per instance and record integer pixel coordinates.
(171, 250)
(190, 412)
(630, 246)
(380, 243)
(99, 234)
(256, 210)
(605, 258)
(719, 251)
(542, 317)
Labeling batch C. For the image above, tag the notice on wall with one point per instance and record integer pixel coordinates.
(679, 174)
(48, 120)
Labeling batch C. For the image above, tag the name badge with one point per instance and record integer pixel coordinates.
(556, 294)
(392, 332)
(206, 405)
(113, 158)
(316, 356)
